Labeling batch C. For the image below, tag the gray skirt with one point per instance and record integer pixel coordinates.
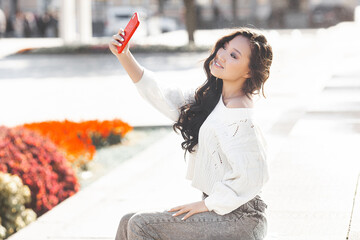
(248, 222)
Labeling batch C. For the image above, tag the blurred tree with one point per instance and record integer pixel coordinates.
(14, 8)
(161, 4)
(47, 3)
(190, 18)
(294, 5)
(234, 6)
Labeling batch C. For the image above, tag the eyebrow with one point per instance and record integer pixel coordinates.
(237, 51)
(227, 43)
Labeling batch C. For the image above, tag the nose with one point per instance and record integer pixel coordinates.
(221, 55)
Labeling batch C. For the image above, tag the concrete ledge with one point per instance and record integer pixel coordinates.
(154, 179)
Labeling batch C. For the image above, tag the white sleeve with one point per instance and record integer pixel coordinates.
(245, 153)
(166, 99)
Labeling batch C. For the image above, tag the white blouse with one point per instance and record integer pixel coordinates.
(229, 162)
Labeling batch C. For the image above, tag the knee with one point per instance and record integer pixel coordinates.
(136, 222)
(123, 225)
(125, 219)
(139, 228)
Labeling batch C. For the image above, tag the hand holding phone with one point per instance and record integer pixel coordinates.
(129, 31)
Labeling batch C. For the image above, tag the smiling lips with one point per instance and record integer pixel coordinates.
(217, 64)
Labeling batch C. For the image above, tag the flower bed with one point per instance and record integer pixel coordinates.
(46, 157)
(13, 197)
(79, 141)
(40, 165)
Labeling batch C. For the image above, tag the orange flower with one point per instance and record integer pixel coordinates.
(75, 139)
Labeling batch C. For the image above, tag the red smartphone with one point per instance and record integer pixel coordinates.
(129, 31)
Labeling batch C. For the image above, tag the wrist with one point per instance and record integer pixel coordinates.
(123, 55)
(203, 201)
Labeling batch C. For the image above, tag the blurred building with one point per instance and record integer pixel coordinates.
(168, 15)
(259, 13)
(35, 6)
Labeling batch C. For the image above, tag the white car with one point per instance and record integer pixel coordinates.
(118, 17)
(162, 24)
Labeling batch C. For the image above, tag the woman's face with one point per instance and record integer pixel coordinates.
(231, 62)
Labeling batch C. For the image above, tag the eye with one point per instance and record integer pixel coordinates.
(233, 56)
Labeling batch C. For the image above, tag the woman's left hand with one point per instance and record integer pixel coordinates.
(190, 209)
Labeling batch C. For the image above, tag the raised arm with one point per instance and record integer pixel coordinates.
(166, 99)
(127, 60)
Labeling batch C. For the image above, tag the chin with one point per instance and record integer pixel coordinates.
(214, 73)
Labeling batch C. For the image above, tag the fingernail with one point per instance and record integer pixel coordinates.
(183, 219)
(174, 214)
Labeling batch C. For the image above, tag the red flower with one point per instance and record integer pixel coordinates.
(39, 164)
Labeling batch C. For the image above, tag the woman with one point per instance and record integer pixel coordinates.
(227, 159)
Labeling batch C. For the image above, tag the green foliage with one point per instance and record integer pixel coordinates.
(13, 197)
(99, 141)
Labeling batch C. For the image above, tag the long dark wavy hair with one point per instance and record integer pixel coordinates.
(193, 115)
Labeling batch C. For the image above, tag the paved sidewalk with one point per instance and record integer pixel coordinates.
(311, 120)
(310, 193)
(154, 179)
